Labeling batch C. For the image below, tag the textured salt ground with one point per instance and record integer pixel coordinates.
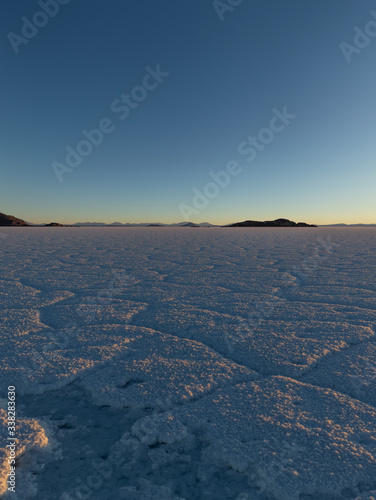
(188, 298)
(290, 437)
(170, 367)
(86, 436)
(274, 347)
(352, 372)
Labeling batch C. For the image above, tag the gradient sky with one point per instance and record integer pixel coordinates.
(225, 78)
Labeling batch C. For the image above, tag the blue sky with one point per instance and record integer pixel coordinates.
(222, 71)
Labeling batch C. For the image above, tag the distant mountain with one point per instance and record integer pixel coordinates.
(270, 223)
(347, 225)
(143, 224)
(146, 224)
(334, 225)
(118, 224)
(89, 224)
(9, 220)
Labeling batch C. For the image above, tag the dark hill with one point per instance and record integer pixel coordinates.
(270, 223)
(9, 220)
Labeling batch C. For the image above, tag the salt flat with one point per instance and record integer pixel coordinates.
(182, 363)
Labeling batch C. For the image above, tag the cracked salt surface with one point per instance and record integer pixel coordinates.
(141, 373)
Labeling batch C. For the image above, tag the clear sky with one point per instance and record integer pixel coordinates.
(220, 76)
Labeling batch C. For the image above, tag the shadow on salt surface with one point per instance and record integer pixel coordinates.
(289, 438)
(98, 457)
(82, 433)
